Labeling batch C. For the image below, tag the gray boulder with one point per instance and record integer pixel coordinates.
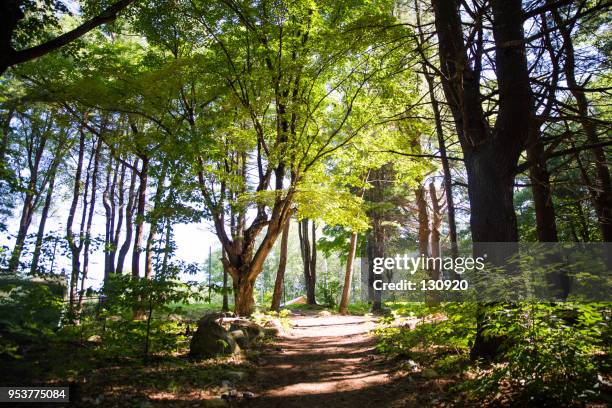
(212, 340)
(240, 337)
(251, 330)
(273, 328)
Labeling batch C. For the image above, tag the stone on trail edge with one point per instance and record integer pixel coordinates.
(212, 340)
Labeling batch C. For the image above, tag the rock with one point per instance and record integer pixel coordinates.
(212, 317)
(273, 328)
(250, 329)
(211, 340)
(414, 367)
(230, 395)
(240, 338)
(325, 313)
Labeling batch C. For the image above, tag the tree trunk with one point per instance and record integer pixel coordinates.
(423, 220)
(72, 245)
(154, 220)
(344, 301)
(435, 107)
(491, 155)
(376, 250)
(140, 214)
(280, 273)
(129, 224)
(10, 16)
(92, 206)
(244, 264)
(602, 190)
(490, 161)
(108, 200)
(225, 306)
(30, 200)
(43, 219)
(244, 304)
(436, 222)
(309, 259)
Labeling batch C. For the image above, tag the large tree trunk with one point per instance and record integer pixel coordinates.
(344, 301)
(242, 262)
(309, 259)
(375, 238)
(225, 306)
(491, 155)
(244, 304)
(282, 264)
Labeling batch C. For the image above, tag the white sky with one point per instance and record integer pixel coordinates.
(192, 241)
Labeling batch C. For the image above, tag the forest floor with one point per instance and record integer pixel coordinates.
(330, 361)
(321, 360)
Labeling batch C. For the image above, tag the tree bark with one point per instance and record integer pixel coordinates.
(602, 190)
(35, 150)
(154, 220)
(11, 14)
(129, 222)
(309, 259)
(344, 301)
(490, 155)
(46, 206)
(377, 250)
(92, 206)
(44, 215)
(436, 222)
(435, 107)
(423, 220)
(72, 245)
(140, 213)
(546, 223)
(108, 200)
(282, 264)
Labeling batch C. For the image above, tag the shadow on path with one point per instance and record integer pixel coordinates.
(330, 362)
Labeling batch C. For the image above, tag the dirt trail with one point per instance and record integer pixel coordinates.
(328, 361)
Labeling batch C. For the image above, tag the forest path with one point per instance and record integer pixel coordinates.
(328, 361)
